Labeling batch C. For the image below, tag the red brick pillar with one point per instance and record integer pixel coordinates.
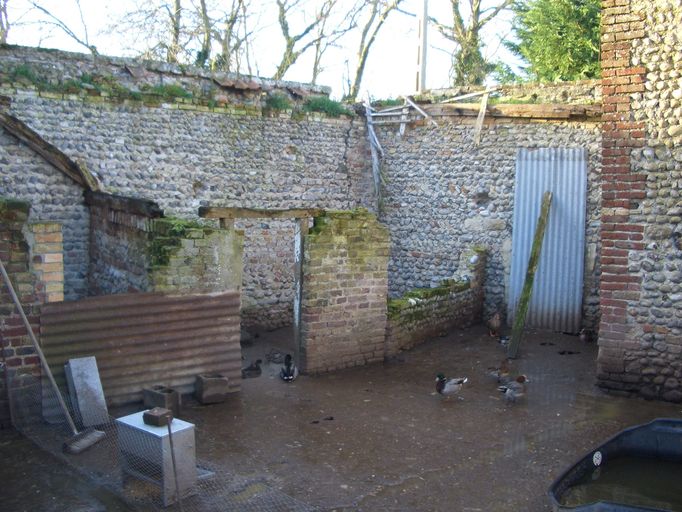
(32, 256)
(622, 188)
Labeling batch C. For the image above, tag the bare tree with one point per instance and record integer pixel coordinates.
(204, 54)
(297, 44)
(379, 11)
(4, 21)
(232, 37)
(468, 65)
(54, 21)
(156, 30)
(326, 39)
(174, 19)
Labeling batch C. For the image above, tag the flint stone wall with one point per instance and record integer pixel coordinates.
(443, 195)
(641, 331)
(26, 176)
(183, 159)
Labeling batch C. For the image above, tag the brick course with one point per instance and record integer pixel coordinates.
(423, 314)
(640, 331)
(32, 255)
(345, 288)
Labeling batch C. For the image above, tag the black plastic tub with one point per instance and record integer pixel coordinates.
(637, 470)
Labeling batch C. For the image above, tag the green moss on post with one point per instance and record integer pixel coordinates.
(533, 260)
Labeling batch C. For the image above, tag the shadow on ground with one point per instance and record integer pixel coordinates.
(379, 438)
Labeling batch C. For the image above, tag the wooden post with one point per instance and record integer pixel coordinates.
(423, 22)
(533, 260)
(300, 230)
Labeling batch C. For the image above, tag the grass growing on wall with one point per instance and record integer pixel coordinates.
(168, 91)
(277, 101)
(326, 106)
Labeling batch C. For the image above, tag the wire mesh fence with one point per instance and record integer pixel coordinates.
(150, 468)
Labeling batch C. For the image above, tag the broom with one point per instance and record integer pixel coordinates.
(80, 441)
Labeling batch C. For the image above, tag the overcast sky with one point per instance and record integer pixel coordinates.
(390, 71)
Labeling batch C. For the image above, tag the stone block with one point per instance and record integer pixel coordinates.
(211, 388)
(85, 389)
(162, 396)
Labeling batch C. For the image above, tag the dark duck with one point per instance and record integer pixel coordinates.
(253, 370)
(289, 370)
(515, 389)
(500, 373)
(449, 387)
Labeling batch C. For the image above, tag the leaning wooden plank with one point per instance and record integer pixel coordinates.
(391, 109)
(50, 153)
(470, 95)
(376, 150)
(479, 120)
(404, 120)
(420, 110)
(533, 260)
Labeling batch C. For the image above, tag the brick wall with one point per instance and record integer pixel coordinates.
(640, 336)
(134, 249)
(423, 314)
(190, 257)
(32, 255)
(343, 303)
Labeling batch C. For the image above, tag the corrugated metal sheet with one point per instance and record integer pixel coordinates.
(556, 301)
(146, 338)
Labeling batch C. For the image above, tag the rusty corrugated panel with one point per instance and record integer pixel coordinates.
(144, 339)
(556, 301)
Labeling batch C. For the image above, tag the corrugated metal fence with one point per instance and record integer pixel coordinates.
(144, 339)
(556, 301)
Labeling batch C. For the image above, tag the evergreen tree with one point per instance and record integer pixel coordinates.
(558, 38)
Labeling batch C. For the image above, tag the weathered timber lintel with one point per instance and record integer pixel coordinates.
(210, 212)
(50, 153)
(508, 110)
(133, 205)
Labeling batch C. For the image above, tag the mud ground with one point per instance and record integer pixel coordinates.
(379, 437)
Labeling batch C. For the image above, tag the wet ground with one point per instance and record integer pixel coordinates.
(380, 438)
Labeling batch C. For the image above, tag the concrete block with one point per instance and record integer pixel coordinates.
(145, 453)
(211, 388)
(85, 389)
(162, 396)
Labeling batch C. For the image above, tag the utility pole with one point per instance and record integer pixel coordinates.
(422, 20)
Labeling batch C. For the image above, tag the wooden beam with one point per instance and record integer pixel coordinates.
(470, 95)
(520, 110)
(50, 153)
(420, 110)
(479, 120)
(533, 260)
(211, 212)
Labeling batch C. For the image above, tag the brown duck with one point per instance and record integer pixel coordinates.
(494, 324)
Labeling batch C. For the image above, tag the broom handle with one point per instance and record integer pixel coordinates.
(29, 330)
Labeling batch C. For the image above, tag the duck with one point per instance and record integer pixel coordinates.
(494, 324)
(253, 370)
(501, 372)
(289, 370)
(448, 387)
(515, 389)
